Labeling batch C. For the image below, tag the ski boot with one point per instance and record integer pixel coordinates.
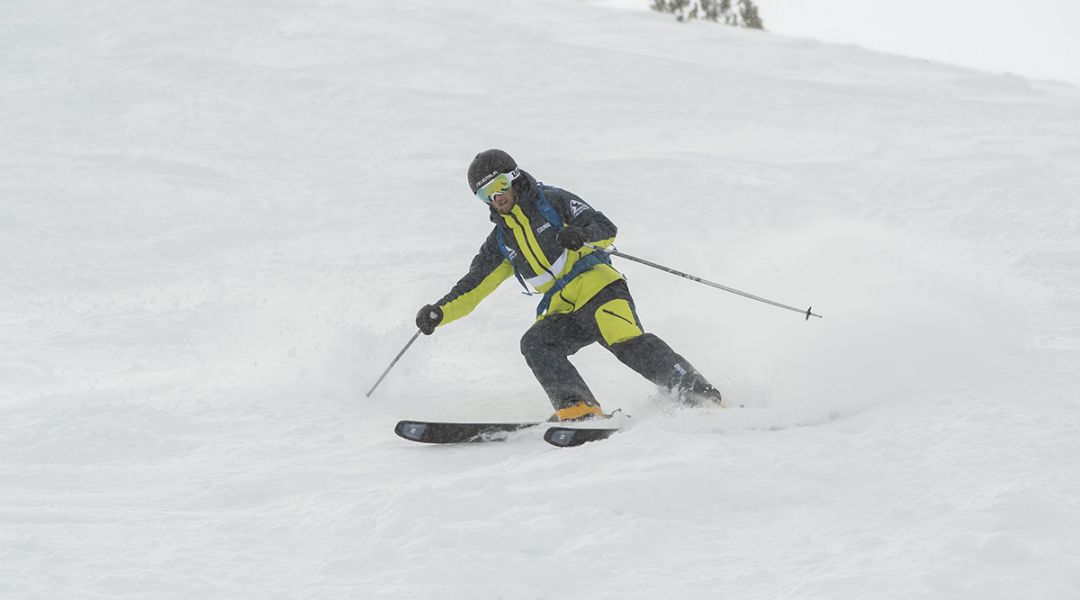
(582, 410)
(707, 397)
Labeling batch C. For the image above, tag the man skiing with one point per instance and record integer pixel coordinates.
(539, 236)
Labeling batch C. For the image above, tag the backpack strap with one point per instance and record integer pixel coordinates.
(545, 207)
(583, 264)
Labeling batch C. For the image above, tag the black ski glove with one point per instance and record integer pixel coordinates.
(429, 318)
(571, 237)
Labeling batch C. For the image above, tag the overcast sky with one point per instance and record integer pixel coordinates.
(1035, 38)
(1038, 39)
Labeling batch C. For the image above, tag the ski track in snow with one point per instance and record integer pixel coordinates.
(218, 221)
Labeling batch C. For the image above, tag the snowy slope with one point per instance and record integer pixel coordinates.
(218, 219)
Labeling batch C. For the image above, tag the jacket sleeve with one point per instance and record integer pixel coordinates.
(599, 230)
(488, 269)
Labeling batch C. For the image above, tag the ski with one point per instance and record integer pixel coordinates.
(428, 432)
(433, 432)
(566, 437)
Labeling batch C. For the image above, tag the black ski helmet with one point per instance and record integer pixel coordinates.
(488, 163)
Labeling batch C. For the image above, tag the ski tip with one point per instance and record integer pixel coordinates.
(567, 437)
(411, 430)
(560, 436)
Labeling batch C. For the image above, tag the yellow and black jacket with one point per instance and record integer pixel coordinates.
(531, 249)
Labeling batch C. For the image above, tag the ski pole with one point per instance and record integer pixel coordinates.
(808, 312)
(392, 363)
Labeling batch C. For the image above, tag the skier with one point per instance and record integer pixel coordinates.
(539, 237)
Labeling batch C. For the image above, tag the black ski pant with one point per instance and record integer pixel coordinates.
(548, 343)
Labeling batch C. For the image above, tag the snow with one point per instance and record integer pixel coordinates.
(218, 221)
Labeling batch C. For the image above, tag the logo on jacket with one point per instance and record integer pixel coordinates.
(543, 228)
(577, 207)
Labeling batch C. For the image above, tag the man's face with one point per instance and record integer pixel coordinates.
(498, 191)
(504, 202)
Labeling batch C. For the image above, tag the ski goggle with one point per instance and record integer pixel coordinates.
(499, 184)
